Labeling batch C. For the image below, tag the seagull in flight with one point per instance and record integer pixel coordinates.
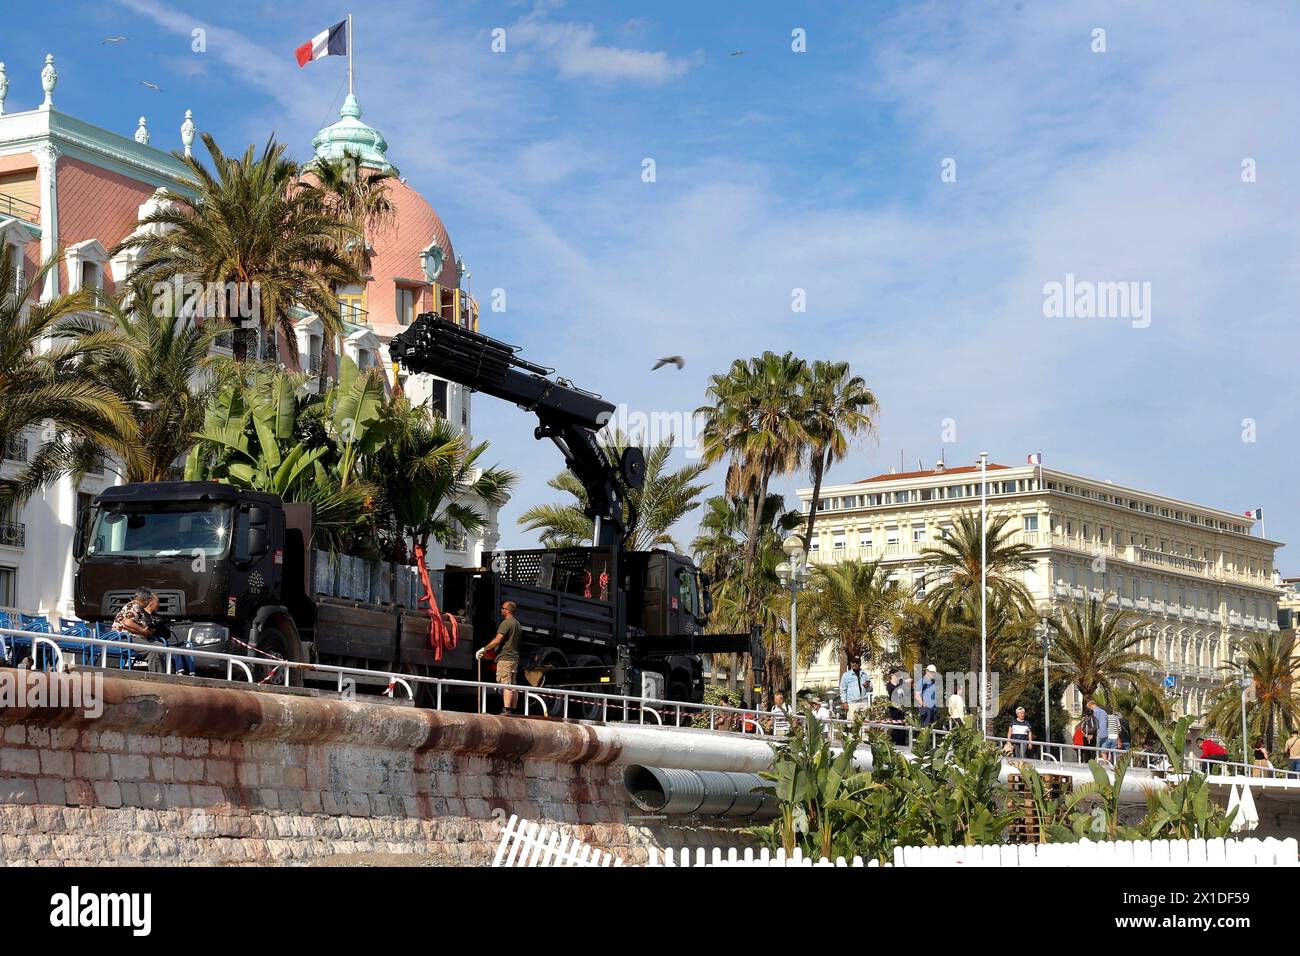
(113, 39)
(670, 360)
(153, 86)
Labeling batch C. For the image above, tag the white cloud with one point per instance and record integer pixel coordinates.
(573, 50)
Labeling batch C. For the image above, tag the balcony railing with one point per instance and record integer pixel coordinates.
(15, 208)
(13, 534)
(16, 448)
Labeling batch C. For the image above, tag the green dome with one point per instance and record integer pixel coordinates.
(350, 136)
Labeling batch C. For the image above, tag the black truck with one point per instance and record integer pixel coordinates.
(235, 570)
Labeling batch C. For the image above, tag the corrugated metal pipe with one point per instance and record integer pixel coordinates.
(705, 793)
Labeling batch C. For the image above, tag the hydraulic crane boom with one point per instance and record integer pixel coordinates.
(567, 415)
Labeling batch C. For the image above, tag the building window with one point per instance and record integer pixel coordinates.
(891, 536)
(350, 310)
(405, 305)
(1031, 522)
(9, 587)
(918, 534)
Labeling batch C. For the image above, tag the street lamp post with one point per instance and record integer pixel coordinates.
(1240, 660)
(1047, 701)
(984, 594)
(793, 573)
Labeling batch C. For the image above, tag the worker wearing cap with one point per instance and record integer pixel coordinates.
(855, 688)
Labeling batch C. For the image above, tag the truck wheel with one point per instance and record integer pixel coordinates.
(580, 709)
(272, 642)
(554, 707)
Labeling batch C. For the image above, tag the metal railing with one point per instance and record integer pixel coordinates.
(570, 704)
(13, 534)
(19, 208)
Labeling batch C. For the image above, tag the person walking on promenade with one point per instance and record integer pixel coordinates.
(956, 709)
(1021, 734)
(1101, 721)
(1292, 747)
(929, 696)
(855, 688)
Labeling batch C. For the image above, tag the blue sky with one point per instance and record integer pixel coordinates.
(819, 171)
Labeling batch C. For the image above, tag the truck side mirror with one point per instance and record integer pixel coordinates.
(258, 517)
(257, 544)
(706, 594)
(79, 544)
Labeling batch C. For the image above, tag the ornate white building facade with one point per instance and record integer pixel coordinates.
(1196, 574)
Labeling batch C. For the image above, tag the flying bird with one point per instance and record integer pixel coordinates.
(670, 360)
(739, 53)
(112, 39)
(153, 86)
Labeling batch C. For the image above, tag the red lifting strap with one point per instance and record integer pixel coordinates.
(444, 632)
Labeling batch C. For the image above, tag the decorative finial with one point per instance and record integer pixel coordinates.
(142, 133)
(49, 78)
(4, 87)
(187, 131)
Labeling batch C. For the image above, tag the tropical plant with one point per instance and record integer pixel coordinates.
(759, 597)
(358, 198)
(953, 586)
(432, 485)
(849, 606)
(159, 365)
(756, 422)
(1183, 810)
(44, 384)
(1097, 650)
(1271, 662)
(650, 512)
(815, 787)
(839, 407)
(266, 433)
(250, 224)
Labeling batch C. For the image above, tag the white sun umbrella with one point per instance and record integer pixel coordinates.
(1234, 803)
(1248, 812)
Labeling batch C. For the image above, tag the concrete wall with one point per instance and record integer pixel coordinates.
(173, 772)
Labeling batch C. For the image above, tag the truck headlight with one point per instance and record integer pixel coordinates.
(201, 635)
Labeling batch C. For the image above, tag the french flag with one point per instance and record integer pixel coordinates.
(1257, 514)
(1035, 459)
(331, 42)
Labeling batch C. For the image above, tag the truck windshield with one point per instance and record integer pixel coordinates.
(161, 530)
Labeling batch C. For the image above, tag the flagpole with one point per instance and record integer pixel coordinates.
(349, 54)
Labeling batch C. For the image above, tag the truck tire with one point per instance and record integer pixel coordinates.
(587, 710)
(271, 641)
(544, 655)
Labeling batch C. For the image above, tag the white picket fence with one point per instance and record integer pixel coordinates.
(531, 844)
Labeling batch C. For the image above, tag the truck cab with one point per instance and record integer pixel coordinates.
(212, 553)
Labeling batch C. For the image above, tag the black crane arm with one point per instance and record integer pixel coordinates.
(567, 415)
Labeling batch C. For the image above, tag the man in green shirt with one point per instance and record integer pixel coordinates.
(506, 646)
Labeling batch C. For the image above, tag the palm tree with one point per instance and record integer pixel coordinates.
(359, 200)
(756, 422)
(848, 606)
(956, 579)
(432, 485)
(759, 597)
(650, 511)
(1097, 651)
(252, 225)
(1271, 661)
(47, 387)
(840, 407)
(160, 367)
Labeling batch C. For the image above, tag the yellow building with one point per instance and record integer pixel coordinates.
(1195, 573)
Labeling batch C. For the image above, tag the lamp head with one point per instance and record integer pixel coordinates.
(793, 547)
(783, 572)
